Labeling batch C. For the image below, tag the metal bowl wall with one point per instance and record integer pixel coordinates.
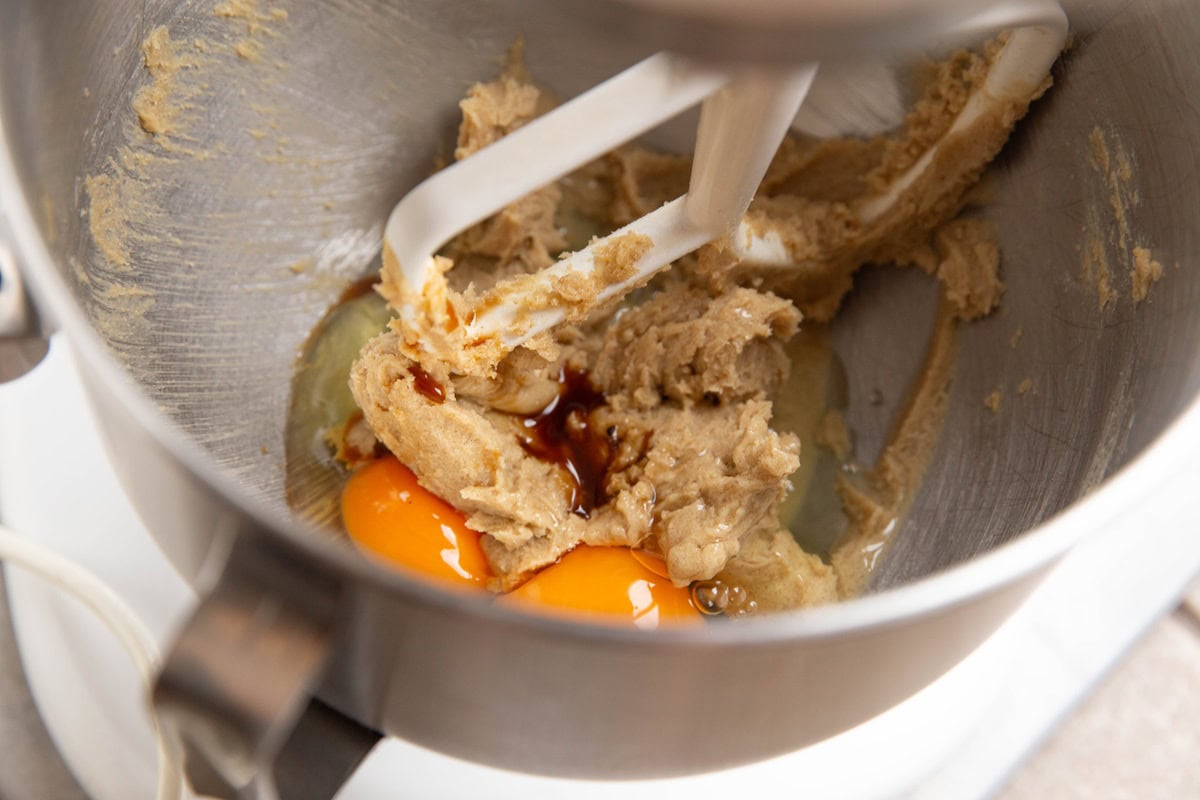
(295, 157)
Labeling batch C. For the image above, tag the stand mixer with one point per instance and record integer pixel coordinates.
(192, 414)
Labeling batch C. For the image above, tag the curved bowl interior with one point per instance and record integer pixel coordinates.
(241, 232)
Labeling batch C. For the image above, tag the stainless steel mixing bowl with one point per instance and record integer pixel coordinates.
(307, 148)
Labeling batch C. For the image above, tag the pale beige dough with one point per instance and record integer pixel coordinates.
(696, 465)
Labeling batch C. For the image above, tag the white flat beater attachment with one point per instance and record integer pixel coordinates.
(744, 118)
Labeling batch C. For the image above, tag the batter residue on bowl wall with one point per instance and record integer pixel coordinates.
(128, 203)
(1110, 224)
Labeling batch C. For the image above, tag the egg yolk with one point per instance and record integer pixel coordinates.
(387, 513)
(607, 584)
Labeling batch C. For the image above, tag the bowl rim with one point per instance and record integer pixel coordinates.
(1022, 556)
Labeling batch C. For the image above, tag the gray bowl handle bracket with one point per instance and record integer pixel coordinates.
(236, 690)
(22, 341)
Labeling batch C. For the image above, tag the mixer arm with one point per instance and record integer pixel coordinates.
(23, 341)
(236, 689)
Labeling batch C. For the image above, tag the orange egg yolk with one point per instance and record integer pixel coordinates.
(608, 584)
(387, 513)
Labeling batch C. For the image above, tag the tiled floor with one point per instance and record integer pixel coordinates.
(1138, 736)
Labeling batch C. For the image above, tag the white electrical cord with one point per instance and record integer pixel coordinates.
(120, 620)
